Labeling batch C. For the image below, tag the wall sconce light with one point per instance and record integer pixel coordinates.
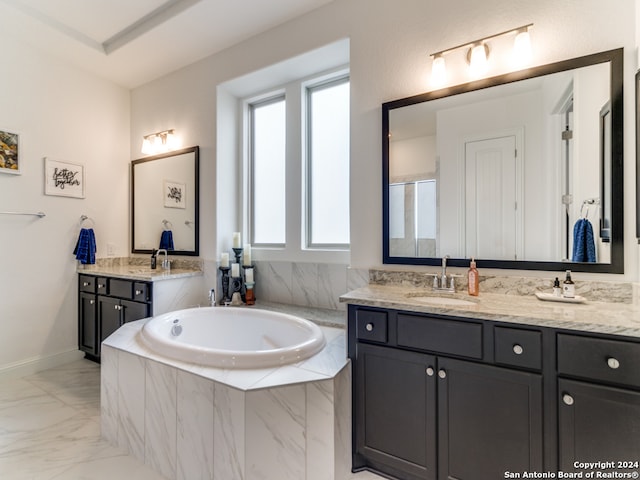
(159, 142)
(477, 54)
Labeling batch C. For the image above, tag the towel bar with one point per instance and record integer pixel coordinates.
(36, 214)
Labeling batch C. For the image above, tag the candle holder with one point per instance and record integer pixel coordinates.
(226, 300)
(250, 299)
(238, 253)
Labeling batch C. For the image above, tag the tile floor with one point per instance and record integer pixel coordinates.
(50, 429)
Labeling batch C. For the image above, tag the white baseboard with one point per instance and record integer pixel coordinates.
(36, 364)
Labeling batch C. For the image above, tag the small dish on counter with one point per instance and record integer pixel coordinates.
(550, 297)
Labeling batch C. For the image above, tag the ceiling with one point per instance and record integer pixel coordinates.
(131, 42)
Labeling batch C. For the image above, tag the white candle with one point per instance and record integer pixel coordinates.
(236, 239)
(247, 255)
(235, 269)
(224, 259)
(249, 275)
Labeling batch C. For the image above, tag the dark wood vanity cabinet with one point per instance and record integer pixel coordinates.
(104, 304)
(444, 398)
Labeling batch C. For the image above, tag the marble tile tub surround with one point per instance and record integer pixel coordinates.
(613, 292)
(187, 422)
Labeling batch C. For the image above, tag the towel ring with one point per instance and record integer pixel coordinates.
(84, 218)
(167, 224)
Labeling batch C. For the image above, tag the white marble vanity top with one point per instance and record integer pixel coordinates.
(598, 317)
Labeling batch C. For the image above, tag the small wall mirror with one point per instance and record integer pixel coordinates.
(507, 168)
(165, 203)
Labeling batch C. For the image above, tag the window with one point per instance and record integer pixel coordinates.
(298, 167)
(328, 164)
(268, 156)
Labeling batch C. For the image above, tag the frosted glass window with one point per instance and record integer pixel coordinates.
(268, 156)
(426, 210)
(328, 164)
(396, 211)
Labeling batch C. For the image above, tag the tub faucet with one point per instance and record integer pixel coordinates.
(165, 262)
(212, 297)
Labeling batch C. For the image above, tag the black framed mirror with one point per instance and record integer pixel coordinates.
(165, 203)
(504, 169)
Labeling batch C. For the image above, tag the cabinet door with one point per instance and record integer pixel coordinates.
(109, 311)
(134, 311)
(489, 421)
(597, 423)
(394, 405)
(88, 324)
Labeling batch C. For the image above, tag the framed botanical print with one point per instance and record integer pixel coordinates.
(10, 161)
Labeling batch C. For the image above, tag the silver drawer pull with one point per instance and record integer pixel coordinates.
(138, 292)
(430, 371)
(613, 363)
(369, 327)
(85, 284)
(442, 374)
(567, 399)
(100, 285)
(517, 349)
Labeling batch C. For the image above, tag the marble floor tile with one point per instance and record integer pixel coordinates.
(50, 430)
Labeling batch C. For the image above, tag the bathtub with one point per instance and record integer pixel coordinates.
(229, 337)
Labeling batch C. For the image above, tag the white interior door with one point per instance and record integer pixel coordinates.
(491, 197)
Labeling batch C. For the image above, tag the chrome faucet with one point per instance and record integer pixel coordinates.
(165, 263)
(443, 282)
(212, 297)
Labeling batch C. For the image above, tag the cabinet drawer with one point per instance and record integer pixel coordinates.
(140, 292)
(371, 325)
(101, 285)
(87, 284)
(614, 361)
(121, 288)
(518, 348)
(440, 335)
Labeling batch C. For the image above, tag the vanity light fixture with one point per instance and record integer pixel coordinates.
(477, 54)
(159, 142)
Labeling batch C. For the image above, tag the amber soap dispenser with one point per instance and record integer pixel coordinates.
(474, 278)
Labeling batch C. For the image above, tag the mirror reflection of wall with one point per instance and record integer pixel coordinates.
(164, 197)
(499, 170)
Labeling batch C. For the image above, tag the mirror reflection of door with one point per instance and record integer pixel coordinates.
(492, 218)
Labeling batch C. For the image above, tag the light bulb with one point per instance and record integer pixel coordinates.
(146, 146)
(478, 64)
(438, 71)
(522, 49)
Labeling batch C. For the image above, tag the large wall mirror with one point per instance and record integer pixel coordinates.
(165, 203)
(520, 171)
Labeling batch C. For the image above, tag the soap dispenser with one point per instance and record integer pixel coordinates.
(473, 278)
(153, 259)
(568, 287)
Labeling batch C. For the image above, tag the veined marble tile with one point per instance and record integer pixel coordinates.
(357, 277)
(275, 438)
(342, 423)
(330, 360)
(109, 394)
(305, 284)
(195, 398)
(228, 433)
(332, 282)
(274, 282)
(160, 424)
(320, 431)
(178, 294)
(131, 407)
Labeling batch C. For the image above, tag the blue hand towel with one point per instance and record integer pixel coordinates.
(584, 248)
(85, 250)
(166, 240)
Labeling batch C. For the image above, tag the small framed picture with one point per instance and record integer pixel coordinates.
(175, 195)
(63, 179)
(10, 152)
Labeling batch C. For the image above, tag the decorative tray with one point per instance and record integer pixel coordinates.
(550, 297)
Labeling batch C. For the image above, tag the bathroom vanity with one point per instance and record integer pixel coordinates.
(111, 295)
(505, 384)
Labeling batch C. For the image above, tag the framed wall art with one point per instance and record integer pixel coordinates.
(10, 160)
(63, 179)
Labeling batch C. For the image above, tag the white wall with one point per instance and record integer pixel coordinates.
(390, 43)
(67, 115)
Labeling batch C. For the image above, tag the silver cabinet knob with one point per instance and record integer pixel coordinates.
(613, 363)
(138, 292)
(101, 285)
(91, 302)
(517, 349)
(430, 371)
(369, 327)
(442, 374)
(85, 284)
(567, 399)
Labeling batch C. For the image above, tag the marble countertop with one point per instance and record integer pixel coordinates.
(138, 272)
(597, 317)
